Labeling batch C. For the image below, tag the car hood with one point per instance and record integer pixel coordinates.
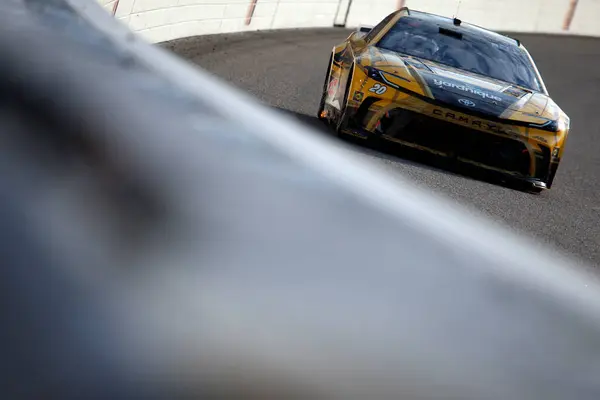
(461, 89)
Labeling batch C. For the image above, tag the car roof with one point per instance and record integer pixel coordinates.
(464, 28)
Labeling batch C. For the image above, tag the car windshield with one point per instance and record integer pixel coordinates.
(478, 54)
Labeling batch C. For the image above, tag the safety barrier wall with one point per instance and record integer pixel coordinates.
(545, 16)
(161, 20)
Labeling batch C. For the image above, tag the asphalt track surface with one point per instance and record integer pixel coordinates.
(286, 69)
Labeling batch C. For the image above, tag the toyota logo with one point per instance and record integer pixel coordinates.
(466, 102)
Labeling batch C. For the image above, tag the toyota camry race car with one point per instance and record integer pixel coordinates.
(450, 88)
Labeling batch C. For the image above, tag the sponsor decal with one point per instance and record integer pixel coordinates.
(358, 96)
(333, 84)
(467, 89)
(466, 102)
(541, 139)
(473, 122)
(378, 88)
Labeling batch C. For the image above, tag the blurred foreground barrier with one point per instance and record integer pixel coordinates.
(164, 236)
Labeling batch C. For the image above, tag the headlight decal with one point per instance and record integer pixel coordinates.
(550, 126)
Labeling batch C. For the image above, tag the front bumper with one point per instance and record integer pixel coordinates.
(507, 151)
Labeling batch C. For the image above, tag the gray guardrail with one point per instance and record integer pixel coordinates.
(165, 236)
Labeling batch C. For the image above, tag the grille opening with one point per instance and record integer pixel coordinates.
(477, 146)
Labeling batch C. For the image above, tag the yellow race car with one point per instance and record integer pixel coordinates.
(450, 88)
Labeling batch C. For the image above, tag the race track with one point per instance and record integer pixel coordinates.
(286, 70)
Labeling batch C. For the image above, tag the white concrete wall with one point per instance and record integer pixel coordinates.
(587, 18)
(161, 20)
(370, 12)
(546, 16)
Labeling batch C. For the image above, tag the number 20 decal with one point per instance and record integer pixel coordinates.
(378, 88)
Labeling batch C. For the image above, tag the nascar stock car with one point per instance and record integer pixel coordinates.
(450, 88)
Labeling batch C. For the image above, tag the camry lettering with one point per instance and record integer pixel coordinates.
(472, 122)
(468, 89)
